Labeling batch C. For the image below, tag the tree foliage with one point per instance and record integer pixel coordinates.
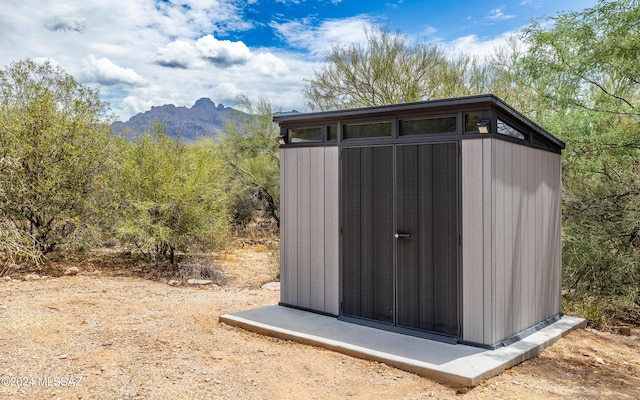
(389, 69)
(54, 135)
(588, 76)
(172, 195)
(251, 151)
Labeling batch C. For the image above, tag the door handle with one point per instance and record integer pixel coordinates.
(402, 235)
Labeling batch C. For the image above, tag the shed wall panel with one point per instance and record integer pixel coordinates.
(500, 193)
(488, 165)
(284, 244)
(317, 227)
(304, 228)
(472, 241)
(331, 230)
(514, 307)
(526, 240)
(525, 220)
(553, 235)
(511, 249)
(556, 233)
(289, 227)
(539, 235)
(531, 235)
(309, 228)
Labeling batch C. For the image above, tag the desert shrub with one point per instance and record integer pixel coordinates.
(172, 196)
(250, 150)
(54, 135)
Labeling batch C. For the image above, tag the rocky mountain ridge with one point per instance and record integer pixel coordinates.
(203, 119)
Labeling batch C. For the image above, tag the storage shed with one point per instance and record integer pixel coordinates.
(438, 219)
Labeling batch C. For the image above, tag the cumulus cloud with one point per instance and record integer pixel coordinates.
(223, 53)
(179, 54)
(66, 24)
(186, 55)
(105, 72)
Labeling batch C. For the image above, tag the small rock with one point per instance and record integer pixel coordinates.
(173, 282)
(6, 278)
(32, 277)
(199, 282)
(72, 271)
(271, 286)
(621, 330)
(97, 273)
(62, 356)
(599, 360)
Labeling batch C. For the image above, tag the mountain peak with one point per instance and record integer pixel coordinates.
(204, 102)
(203, 119)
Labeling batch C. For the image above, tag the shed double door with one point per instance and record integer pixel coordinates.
(400, 236)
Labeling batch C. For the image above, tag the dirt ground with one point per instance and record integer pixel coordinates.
(119, 330)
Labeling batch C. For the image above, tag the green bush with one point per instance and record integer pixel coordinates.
(54, 136)
(172, 196)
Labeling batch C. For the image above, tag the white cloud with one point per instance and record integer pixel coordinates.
(266, 64)
(395, 4)
(223, 53)
(318, 40)
(179, 54)
(499, 15)
(105, 72)
(474, 46)
(429, 30)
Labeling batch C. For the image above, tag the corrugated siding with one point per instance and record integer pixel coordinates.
(309, 228)
(512, 263)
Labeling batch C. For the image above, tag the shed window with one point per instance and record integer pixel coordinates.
(471, 122)
(428, 126)
(301, 135)
(332, 133)
(362, 131)
(508, 130)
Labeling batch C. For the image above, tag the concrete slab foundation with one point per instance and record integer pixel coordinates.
(454, 365)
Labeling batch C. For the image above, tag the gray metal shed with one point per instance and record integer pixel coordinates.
(438, 219)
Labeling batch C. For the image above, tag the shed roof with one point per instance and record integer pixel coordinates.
(405, 109)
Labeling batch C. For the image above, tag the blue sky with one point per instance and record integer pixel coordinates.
(144, 53)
